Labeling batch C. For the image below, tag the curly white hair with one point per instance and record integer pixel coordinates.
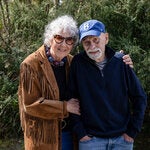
(63, 23)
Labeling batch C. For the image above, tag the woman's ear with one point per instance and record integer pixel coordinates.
(50, 42)
(107, 37)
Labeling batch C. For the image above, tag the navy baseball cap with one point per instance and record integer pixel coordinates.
(91, 27)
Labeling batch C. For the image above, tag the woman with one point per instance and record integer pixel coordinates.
(42, 89)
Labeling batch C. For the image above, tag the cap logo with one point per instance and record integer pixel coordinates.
(86, 26)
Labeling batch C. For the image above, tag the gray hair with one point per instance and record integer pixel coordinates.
(63, 23)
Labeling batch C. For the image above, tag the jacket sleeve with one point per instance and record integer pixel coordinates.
(78, 127)
(138, 101)
(31, 99)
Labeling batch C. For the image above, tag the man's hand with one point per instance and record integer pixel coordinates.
(85, 138)
(128, 138)
(73, 106)
(127, 59)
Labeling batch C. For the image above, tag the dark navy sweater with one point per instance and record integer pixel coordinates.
(112, 101)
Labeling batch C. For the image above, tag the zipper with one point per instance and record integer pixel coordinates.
(102, 73)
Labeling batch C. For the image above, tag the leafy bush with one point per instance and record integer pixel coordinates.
(21, 31)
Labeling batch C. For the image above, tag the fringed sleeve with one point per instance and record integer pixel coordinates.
(36, 96)
(40, 117)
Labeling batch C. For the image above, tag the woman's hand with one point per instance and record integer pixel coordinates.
(127, 59)
(73, 106)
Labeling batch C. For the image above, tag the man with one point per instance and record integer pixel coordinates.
(107, 88)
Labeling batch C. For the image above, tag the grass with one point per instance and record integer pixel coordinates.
(11, 144)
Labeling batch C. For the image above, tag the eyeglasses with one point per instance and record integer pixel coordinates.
(68, 40)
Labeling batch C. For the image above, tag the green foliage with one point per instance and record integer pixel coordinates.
(9, 117)
(29, 22)
(21, 31)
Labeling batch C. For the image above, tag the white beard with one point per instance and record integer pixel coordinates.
(95, 56)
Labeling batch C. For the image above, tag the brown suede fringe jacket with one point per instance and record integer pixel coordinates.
(41, 112)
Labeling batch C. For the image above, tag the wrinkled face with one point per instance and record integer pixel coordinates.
(61, 45)
(95, 46)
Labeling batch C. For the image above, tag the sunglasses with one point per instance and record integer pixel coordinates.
(68, 40)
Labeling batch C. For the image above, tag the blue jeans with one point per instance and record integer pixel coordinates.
(67, 140)
(117, 143)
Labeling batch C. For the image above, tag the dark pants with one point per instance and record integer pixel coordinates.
(67, 140)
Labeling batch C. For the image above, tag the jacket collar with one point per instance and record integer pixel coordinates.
(49, 74)
(48, 71)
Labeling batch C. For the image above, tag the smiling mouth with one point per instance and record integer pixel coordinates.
(93, 52)
(60, 50)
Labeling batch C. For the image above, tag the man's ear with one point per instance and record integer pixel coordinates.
(107, 37)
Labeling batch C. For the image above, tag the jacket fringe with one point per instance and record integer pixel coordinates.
(41, 131)
(27, 77)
